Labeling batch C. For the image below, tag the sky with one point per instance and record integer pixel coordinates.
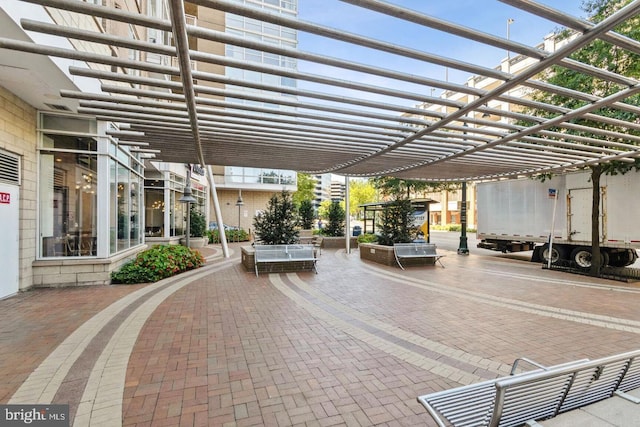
(490, 16)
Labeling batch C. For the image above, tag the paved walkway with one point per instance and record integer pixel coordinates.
(353, 345)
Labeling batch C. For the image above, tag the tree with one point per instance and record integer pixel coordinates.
(603, 55)
(197, 223)
(360, 192)
(323, 209)
(277, 224)
(396, 222)
(397, 187)
(306, 214)
(335, 220)
(306, 185)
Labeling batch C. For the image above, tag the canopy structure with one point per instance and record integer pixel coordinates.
(338, 125)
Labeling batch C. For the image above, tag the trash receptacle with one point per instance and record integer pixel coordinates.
(357, 230)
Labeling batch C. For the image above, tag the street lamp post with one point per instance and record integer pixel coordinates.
(188, 199)
(463, 249)
(239, 204)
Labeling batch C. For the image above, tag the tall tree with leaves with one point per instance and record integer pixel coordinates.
(603, 55)
(360, 192)
(397, 187)
(306, 185)
(277, 224)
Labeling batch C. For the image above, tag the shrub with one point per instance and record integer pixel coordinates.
(396, 222)
(335, 221)
(306, 214)
(159, 262)
(451, 227)
(231, 235)
(197, 223)
(367, 238)
(277, 224)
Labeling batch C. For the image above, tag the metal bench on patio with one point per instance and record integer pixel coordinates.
(528, 397)
(416, 250)
(303, 254)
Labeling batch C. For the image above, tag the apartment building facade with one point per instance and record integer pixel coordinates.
(76, 202)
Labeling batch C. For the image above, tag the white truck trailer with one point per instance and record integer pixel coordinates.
(517, 215)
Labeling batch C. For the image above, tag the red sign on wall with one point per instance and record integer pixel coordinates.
(5, 198)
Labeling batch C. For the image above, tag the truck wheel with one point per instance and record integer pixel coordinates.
(581, 256)
(623, 258)
(558, 253)
(628, 257)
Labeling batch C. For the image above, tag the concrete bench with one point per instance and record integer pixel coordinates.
(416, 250)
(284, 254)
(532, 396)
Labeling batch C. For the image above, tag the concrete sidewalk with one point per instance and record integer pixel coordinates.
(353, 345)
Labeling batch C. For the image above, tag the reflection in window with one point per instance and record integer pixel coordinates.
(154, 212)
(68, 203)
(69, 177)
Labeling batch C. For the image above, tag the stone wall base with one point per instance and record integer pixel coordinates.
(248, 261)
(384, 255)
(78, 271)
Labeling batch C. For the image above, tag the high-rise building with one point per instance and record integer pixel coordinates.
(74, 191)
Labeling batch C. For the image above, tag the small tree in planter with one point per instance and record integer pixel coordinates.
(396, 222)
(335, 221)
(277, 224)
(198, 224)
(305, 213)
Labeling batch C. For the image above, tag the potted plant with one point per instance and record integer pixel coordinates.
(198, 228)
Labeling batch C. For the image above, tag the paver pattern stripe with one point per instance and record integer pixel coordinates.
(608, 322)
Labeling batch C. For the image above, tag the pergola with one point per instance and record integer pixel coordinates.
(190, 116)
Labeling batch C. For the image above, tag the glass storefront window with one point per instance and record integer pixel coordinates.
(169, 187)
(69, 206)
(154, 212)
(68, 203)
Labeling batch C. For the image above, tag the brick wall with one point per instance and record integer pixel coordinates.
(384, 255)
(248, 261)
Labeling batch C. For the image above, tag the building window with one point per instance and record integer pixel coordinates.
(166, 191)
(69, 208)
(68, 200)
(154, 208)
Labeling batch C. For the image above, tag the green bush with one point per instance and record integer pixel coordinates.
(450, 227)
(231, 235)
(306, 214)
(396, 222)
(367, 238)
(159, 262)
(197, 223)
(335, 221)
(276, 225)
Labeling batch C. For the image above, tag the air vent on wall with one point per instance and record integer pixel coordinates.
(58, 107)
(9, 168)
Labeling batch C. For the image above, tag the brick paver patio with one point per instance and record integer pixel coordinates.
(353, 345)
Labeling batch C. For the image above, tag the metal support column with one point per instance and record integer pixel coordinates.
(216, 208)
(463, 249)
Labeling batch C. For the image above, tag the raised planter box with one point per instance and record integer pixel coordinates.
(338, 242)
(384, 255)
